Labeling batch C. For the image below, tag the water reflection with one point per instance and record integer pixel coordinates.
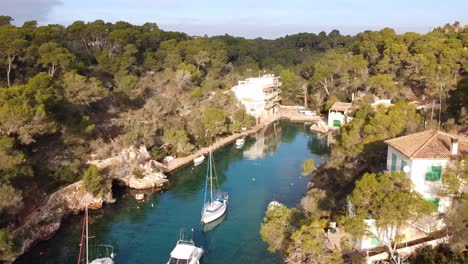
(318, 144)
(267, 140)
(215, 223)
(146, 232)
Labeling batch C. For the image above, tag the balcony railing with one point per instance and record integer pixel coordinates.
(270, 96)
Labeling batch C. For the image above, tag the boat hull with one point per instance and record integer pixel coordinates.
(198, 160)
(240, 142)
(208, 217)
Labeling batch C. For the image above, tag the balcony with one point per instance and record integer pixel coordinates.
(269, 105)
(269, 96)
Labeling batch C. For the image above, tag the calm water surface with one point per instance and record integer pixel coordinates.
(268, 166)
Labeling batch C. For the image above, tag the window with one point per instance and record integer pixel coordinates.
(336, 123)
(434, 173)
(403, 164)
(435, 203)
(394, 158)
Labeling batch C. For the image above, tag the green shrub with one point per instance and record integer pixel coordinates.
(7, 244)
(94, 182)
(138, 173)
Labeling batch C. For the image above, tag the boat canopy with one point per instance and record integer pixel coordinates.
(182, 251)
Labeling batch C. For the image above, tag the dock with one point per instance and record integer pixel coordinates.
(285, 112)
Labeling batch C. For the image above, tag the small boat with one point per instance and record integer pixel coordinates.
(216, 205)
(240, 142)
(185, 252)
(198, 160)
(140, 196)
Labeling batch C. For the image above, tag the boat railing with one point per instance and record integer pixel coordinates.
(186, 242)
(105, 251)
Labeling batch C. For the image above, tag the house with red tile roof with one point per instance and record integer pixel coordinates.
(424, 156)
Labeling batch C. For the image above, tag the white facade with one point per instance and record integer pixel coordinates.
(333, 117)
(418, 168)
(260, 96)
(338, 115)
(373, 239)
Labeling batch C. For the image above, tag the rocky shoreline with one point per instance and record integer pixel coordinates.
(43, 223)
(46, 220)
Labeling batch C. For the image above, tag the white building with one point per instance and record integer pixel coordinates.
(372, 239)
(425, 156)
(338, 114)
(260, 96)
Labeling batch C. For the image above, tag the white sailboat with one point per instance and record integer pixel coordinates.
(216, 204)
(104, 253)
(185, 252)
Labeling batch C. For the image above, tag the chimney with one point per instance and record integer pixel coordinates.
(454, 147)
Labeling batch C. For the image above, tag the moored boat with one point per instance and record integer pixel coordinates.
(216, 204)
(240, 142)
(140, 196)
(185, 252)
(104, 254)
(198, 160)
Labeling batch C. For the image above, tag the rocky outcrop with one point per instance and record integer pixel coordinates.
(45, 221)
(123, 166)
(152, 177)
(320, 127)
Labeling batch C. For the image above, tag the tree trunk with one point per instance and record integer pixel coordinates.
(53, 69)
(10, 62)
(305, 94)
(324, 85)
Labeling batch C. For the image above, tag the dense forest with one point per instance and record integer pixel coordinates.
(93, 88)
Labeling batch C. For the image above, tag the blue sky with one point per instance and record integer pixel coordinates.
(261, 18)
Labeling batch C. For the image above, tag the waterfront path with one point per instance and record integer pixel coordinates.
(289, 113)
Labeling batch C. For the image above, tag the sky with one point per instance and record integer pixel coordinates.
(251, 19)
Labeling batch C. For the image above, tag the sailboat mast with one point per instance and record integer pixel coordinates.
(86, 216)
(211, 178)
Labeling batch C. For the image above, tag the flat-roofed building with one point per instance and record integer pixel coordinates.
(338, 114)
(259, 95)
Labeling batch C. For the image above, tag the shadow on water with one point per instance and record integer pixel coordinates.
(268, 165)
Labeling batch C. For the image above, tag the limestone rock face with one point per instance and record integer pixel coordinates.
(123, 166)
(320, 127)
(46, 220)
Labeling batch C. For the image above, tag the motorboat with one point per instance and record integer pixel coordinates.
(140, 197)
(198, 160)
(240, 142)
(185, 252)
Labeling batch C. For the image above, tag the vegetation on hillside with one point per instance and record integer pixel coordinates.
(97, 87)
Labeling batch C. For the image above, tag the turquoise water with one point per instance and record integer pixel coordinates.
(267, 167)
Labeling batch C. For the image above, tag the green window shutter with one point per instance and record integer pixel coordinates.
(403, 164)
(374, 241)
(394, 158)
(336, 123)
(435, 203)
(434, 173)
